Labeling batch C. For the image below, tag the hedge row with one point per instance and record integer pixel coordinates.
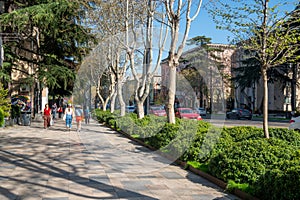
(269, 167)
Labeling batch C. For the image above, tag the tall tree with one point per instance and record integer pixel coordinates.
(264, 29)
(150, 64)
(175, 11)
(48, 32)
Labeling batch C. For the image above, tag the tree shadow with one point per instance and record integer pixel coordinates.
(41, 158)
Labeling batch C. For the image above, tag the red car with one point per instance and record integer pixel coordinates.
(158, 111)
(187, 113)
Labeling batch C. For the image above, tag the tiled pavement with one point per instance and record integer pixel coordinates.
(96, 163)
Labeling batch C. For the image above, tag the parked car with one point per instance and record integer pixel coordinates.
(187, 113)
(157, 110)
(201, 111)
(130, 109)
(239, 113)
(295, 123)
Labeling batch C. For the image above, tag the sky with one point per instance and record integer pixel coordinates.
(204, 25)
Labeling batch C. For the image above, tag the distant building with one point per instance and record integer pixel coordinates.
(282, 96)
(212, 87)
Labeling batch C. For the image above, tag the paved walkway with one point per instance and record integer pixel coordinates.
(96, 163)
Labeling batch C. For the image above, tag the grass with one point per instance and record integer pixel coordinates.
(271, 118)
(197, 165)
(231, 185)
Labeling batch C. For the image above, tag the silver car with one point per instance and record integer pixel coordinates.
(295, 123)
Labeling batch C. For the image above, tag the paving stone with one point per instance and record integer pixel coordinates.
(172, 175)
(96, 163)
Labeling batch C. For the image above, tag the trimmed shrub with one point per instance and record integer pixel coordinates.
(1, 118)
(266, 168)
(280, 183)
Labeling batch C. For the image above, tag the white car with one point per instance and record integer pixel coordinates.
(295, 123)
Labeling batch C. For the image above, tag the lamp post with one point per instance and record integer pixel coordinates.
(287, 100)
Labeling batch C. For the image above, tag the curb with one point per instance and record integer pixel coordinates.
(184, 165)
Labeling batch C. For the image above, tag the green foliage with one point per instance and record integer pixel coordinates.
(1, 117)
(241, 186)
(4, 101)
(61, 34)
(15, 111)
(280, 183)
(241, 156)
(197, 165)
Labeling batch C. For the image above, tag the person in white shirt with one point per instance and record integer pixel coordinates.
(68, 116)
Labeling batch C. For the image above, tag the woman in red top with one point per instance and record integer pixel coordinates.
(47, 116)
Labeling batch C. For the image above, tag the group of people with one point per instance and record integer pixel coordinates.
(69, 114)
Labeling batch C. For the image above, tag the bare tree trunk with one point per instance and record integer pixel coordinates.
(171, 95)
(174, 17)
(140, 109)
(113, 102)
(120, 98)
(265, 103)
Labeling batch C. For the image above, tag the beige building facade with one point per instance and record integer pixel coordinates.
(211, 88)
(281, 95)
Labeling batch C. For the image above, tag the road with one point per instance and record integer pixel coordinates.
(259, 124)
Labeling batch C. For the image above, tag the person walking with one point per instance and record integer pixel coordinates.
(54, 109)
(79, 116)
(47, 116)
(87, 115)
(60, 111)
(68, 116)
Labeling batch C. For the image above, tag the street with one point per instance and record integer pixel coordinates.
(245, 122)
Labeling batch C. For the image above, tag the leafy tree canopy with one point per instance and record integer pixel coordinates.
(52, 31)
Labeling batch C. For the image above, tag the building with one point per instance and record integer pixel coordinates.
(203, 78)
(284, 96)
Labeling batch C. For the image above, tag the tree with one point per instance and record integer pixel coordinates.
(206, 59)
(146, 36)
(174, 15)
(263, 29)
(47, 33)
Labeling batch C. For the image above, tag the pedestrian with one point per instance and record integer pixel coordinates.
(54, 110)
(60, 111)
(68, 116)
(87, 115)
(47, 116)
(79, 116)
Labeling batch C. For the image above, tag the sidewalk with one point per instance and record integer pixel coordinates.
(96, 163)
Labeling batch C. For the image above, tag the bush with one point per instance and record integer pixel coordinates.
(267, 168)
(280, 184)
(4, 101)
(1, 118)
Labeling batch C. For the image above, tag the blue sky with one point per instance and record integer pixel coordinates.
(204, 25)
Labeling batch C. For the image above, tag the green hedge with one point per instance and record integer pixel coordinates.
(269, 168)
(1, 118)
